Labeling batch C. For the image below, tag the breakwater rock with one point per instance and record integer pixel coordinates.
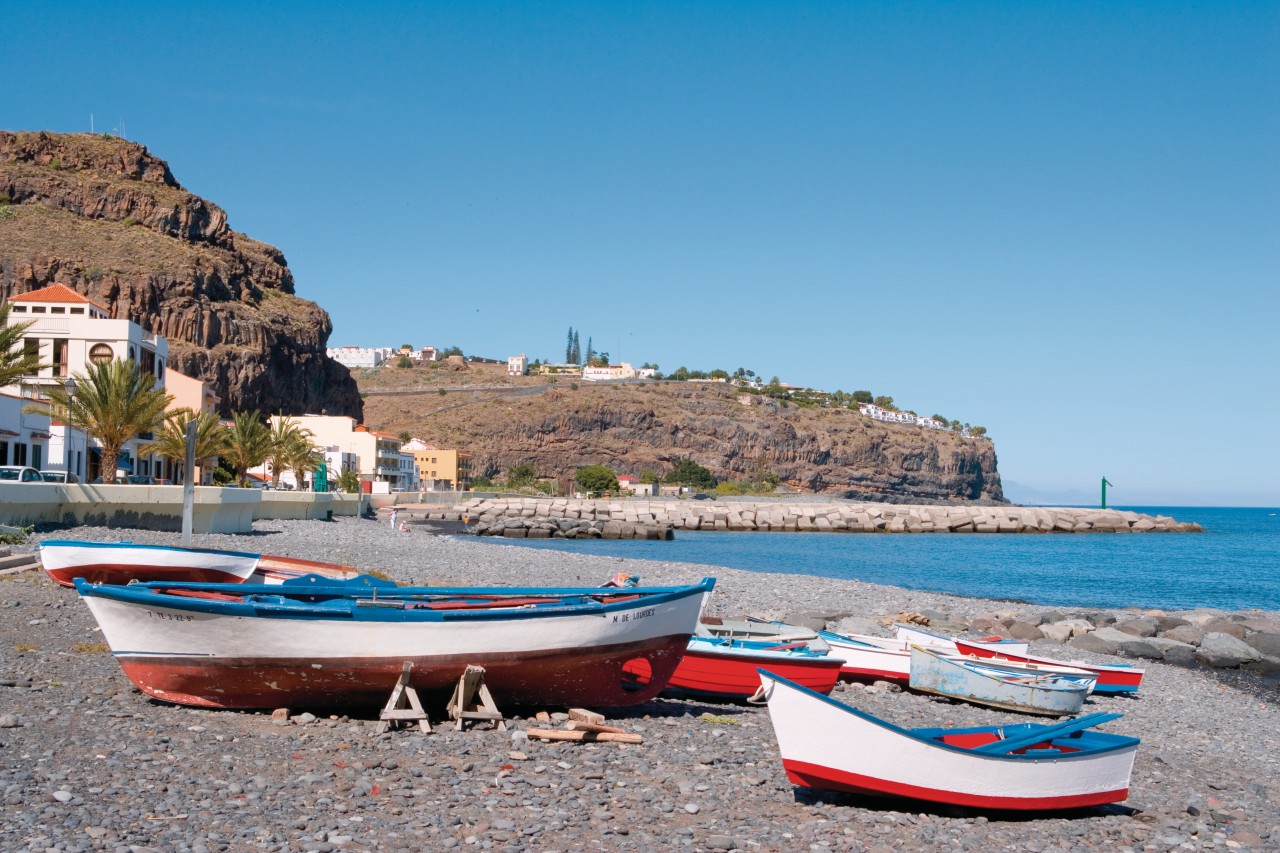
(654, 519)
(1247, 640)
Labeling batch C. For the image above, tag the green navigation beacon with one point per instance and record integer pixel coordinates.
(1104, 491)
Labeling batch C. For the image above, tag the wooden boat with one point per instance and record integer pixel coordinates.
(864, 656)
(1003, 686)
(1112, 678)
(727, 668)
(911, 635)
(316, 642)
(1028, 766)
(120, 562)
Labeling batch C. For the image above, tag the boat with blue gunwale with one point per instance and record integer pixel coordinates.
(827, 745)
(318, 642)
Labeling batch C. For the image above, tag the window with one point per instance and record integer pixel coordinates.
(77, 310)
(98, 353)
(19, 309)
(31, 350)
(19, 454)
(60, 356)
(37, 309)
(4, 453)
(37, 456)
(57, 310)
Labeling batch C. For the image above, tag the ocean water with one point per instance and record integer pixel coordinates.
(1234, 565)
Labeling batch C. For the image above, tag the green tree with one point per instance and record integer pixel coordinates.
(16, 360)
(248, 443)
(404, 361)
(686, 472)
(648, 475)
(114, 401)
(978, 431)
(718, 374)
(576, 353)
(287, 441)
(568, 347)
(481, 482)
(596, 479)
(301, 459)
(885, 403)
(171, 438)
(939, 418)
(862, 396)
(522, 475)
(448, 351)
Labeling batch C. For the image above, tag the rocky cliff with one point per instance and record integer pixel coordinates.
(102, 215)
(630, 428)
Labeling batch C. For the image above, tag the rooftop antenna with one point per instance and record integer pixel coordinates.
(1104, 491)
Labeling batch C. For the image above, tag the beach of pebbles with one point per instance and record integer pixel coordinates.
(87, 762)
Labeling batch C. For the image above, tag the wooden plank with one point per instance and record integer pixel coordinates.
(579, 726)
(588, 737)
(582, 715)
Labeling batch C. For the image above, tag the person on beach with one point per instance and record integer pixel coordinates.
(395, 517)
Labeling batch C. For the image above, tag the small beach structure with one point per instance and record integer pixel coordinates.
(1028, 766)
(1005, 686)
(65, 560)
(313, 641)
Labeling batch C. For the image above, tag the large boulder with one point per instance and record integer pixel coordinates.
(1224, 626)
(1168, 623)
(861, 625)
(1172, 651)
(1266, 643)
(1091, 642)
(1059, 632)
(1077, 626)
(1225, 651)
(1189, 634)
(1141, 626)
(1025, 631)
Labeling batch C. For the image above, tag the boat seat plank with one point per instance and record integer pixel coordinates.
(1047, 733)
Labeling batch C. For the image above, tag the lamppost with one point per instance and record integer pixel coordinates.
(70, 385)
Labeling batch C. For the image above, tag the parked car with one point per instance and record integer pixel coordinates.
(58, 477)
(139, 480)
(20, 474)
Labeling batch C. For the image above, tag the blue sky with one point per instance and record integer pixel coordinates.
(1057, 220)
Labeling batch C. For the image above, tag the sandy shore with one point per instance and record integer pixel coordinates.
(87, 762)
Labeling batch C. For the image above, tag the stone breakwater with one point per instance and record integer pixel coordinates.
(638, 518)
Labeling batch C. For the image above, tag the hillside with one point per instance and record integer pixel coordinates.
(105, 217)
(559, 426)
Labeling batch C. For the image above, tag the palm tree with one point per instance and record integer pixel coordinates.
(171, 440)
(288, 440)
(301, 460)
(248, 443)
(113, 402)
(15, 360)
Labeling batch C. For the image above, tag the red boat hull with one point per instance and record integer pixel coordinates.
(737, 677)
(594, 678)
(1111, 679)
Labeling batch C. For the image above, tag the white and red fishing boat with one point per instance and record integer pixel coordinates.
(314, 642)
(121, 562)
(1112, 678)
(865, 657)
(914, 636)
(723, 668)
(1028, 766)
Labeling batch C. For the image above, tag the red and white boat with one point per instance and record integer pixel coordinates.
(1112, 678)
(318, 643)
(65, 560)
(1027, 766)
(911, 636)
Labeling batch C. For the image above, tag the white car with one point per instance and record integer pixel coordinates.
(58, 477)
(20, 474)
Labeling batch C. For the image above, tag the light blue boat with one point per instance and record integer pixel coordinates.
(1002, 686)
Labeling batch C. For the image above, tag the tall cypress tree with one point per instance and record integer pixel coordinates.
(591, 353)
(568, 347)
(576, 356)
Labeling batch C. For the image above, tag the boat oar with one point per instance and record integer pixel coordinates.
(1088, 721)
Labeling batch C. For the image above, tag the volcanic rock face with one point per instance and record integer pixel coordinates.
(103, 216)
(631, 428)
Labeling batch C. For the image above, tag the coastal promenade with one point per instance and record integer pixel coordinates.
(642, 518)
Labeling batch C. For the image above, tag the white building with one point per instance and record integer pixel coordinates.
(359, 357)
(517, 365)
(69, 332)
(614, 371)
(376, 457)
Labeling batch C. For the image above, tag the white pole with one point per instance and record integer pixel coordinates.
(189, 484)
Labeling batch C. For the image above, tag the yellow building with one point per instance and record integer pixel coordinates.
(440, 470)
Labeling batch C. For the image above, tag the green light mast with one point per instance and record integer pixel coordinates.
(1104, 491)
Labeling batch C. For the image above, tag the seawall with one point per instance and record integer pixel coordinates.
(644, 518)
